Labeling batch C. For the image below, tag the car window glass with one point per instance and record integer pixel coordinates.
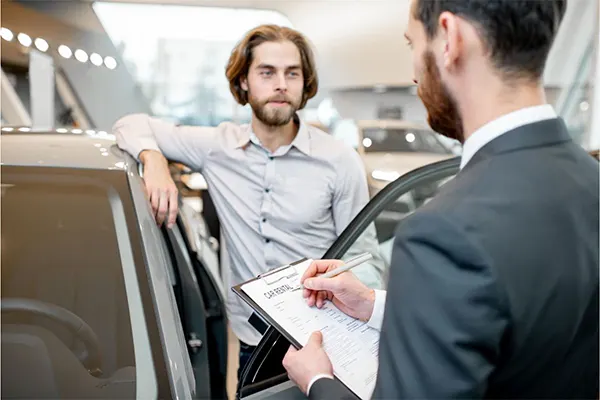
(384, 224)
(401, 140)
(60, 251)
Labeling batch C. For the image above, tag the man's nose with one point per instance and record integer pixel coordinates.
(281, 82)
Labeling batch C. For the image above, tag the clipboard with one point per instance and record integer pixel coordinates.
(261, 313)
(266, 317)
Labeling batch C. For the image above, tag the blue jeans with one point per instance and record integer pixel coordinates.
(245, 353)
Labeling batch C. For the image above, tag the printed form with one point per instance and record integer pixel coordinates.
(352, 346)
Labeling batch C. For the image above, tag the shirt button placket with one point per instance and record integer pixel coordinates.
(267, 206)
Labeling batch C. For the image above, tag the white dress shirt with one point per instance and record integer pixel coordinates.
(499, 126)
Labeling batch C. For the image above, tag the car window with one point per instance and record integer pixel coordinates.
(387, 210)
(65, 311)
(401, 140)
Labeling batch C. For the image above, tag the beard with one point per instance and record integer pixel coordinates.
(273, 116)
(442, 112)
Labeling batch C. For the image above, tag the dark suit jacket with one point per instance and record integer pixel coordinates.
(493, 289)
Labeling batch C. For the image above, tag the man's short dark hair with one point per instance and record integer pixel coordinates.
(517, 33)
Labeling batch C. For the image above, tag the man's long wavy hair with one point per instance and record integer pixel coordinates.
(242, 56)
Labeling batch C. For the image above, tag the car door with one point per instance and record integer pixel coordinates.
(264, 375)
(196, 333)
(202, 315)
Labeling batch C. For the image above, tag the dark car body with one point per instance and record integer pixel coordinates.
(97, 300)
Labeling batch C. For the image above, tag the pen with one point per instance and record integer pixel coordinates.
(348, 265)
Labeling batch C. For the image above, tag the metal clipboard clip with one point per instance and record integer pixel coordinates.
(269, 279)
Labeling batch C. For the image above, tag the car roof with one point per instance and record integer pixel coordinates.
(61, 148)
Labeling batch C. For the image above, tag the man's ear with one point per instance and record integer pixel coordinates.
(451, 40)
(244, 84)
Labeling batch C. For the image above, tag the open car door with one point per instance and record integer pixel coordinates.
(264, 376)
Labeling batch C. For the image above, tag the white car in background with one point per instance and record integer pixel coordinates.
(391, 148)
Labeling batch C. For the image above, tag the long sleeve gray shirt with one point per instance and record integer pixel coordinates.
(274, 208)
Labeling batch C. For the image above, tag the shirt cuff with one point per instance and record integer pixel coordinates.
(316, 378)
(376, 319)
(146, 144)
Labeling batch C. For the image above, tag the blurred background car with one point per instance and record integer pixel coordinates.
(391, 148)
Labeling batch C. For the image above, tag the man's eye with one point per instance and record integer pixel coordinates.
(266, 73)
(294, 73)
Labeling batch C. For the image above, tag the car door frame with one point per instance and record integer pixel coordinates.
(199, 316)
(273, 344)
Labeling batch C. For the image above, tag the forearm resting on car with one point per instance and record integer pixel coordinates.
(160, 188)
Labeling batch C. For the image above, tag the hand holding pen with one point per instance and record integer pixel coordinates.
(348, 293)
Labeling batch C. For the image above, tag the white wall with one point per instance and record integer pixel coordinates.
(358, 42)
(361, 43)
(575, 34)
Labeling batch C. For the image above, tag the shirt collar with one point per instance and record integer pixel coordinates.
(301, 141)
(500, 126)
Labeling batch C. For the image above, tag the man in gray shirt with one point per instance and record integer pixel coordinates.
(283, 189)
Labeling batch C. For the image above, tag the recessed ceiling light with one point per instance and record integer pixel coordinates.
(6, 34)
(24, 39)
(41, 44)
(96, 59)
(81, 55)
(65, 51)
(110, 62)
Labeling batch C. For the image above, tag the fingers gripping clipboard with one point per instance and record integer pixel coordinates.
(351, 345)
(270, 277)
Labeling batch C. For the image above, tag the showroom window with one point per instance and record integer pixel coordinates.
(178, 55)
